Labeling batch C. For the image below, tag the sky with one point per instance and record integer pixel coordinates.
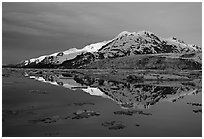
(34, 29)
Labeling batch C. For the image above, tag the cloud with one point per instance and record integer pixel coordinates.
(59, 26)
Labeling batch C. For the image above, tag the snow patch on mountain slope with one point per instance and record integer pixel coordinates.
(72, 50)
(95, 47)
(26, 62)
(180, 43)
(36, 60)
(69, 54)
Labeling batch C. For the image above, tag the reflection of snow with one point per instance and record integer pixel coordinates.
(171, 98)
(95, 92)
(69, 83)
(141, 96)
(43, 80)
(73, 85)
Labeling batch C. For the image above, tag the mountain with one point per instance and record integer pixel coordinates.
(126, 45)
(144, 42)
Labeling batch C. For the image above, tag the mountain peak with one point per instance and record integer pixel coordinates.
(145, 32)
(139, 33)
(123, 33)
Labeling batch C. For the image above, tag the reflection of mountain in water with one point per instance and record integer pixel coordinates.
(128, 95)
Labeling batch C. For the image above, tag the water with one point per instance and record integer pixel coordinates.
(75, 103)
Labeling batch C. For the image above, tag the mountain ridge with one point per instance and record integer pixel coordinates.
(124, 44)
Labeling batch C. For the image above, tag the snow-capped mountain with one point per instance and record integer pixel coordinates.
(124, 44)
(145, 42)
(59, 57)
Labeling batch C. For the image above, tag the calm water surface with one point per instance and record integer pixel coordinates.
(57, 104)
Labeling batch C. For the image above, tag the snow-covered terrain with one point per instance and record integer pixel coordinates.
(124, 44)
(145, 42)
(68, 54)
